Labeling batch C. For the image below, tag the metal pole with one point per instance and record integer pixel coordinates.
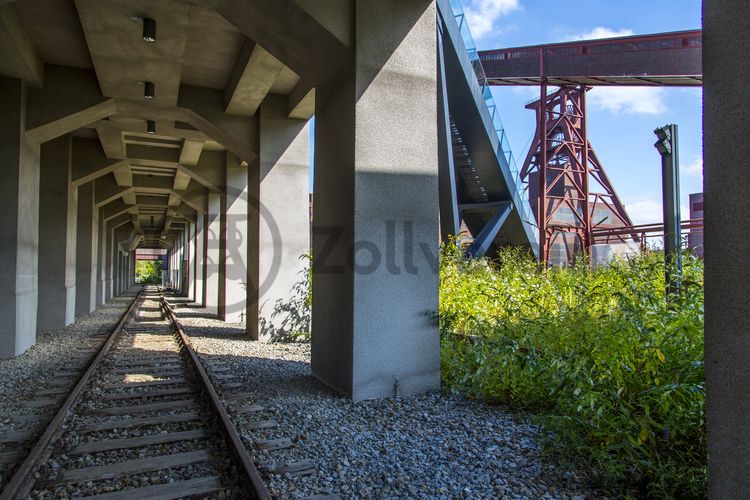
(668, 148)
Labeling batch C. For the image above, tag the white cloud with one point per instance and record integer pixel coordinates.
(694, 168)
(601, 32)
(644, 211)
(631, 100)
(482, 14)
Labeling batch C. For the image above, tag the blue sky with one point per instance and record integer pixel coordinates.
(621, 120)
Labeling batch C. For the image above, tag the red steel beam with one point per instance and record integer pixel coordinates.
(662, 59)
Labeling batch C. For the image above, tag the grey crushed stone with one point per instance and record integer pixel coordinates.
(435, 445)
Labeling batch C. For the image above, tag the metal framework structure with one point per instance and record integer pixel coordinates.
(568, 186)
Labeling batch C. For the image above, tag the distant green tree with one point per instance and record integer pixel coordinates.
(148, 271)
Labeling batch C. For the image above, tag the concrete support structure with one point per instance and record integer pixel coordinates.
(19, 224)
(191, 261)
(234, 249)
(85, 242)
(223, 183)
(375, 233)
(726, 130)
(280, 215)
(213, 282)
(57, 255)
(200, 259)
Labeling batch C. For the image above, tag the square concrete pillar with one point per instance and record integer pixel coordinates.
(213, 253)
(200, 259)
(375, 233)
(280, 214)
(57, 232)
(191, 261)
(19, 224)
(726, 147)
(85, 242)
(235, 241)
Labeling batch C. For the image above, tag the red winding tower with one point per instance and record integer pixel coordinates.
(561, 163)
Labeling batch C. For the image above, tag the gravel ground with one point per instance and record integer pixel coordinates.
(22, 376)
(430, 446)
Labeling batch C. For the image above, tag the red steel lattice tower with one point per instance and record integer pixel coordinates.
(568, 189)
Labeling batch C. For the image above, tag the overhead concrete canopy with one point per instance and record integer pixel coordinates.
(86, 65)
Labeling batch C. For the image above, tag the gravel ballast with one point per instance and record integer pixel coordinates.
(434, 445)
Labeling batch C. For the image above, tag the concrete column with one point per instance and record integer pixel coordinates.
(109, 263)
(94, 274)
(131, 276)
(84, 246)
(191, 261)
(200, 259)
(19, 224)
(726, 130)
(375, 236)
(101, 261)
(280, 212)
(213, 234)
(54, 192)
(235, 248)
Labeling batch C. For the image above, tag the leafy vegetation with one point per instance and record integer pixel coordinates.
(613, 371)
(291, 317)
(148, 271)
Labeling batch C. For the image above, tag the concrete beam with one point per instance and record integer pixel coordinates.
(254, 74)
(290, 34)
(123, 175)
(138, 109)
(110, 137)
(129, 197)
(181, 181)
(18, 57)
(107, 190)
(190, 153)
(301, 101)
(71, 122)
(89, 161)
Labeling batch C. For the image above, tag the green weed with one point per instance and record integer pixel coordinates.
(613, 371)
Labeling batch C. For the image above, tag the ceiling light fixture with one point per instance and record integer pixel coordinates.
(151, 126)
(148, 90)
(149, 30)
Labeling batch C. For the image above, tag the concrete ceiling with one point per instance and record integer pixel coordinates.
(197, 50)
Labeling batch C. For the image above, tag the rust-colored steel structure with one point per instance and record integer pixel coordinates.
(568, 188)
(569, 191)
(663, 59)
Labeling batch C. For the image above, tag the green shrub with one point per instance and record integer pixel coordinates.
(613, 371)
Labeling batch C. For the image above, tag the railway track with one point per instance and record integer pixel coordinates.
(144, 421)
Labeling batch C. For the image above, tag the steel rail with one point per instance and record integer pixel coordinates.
(19, 485)
(259, 487)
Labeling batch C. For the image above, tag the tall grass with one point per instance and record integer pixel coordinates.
(613, 371)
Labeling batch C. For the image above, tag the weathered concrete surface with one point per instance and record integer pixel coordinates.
(376, 184)
(726, 143)
(254, 74)
(19, 229)
(213, 256)
(236, 241)
(55, 171)
(84, 246)
(200, 259)
(283, 234)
